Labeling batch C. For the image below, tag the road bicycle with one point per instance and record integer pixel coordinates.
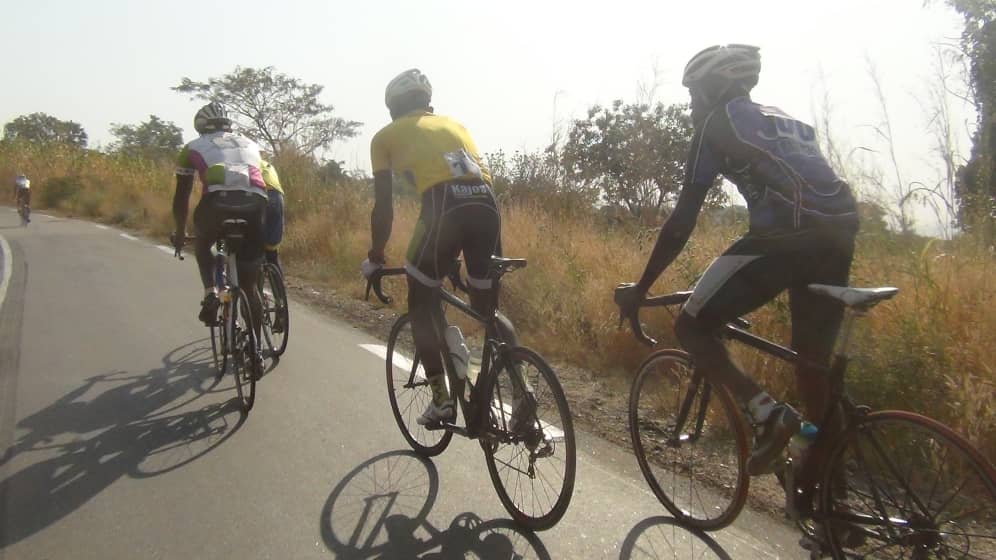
(234, 341)
(276, 317)
(514, 406)
(891, 483)
(24, 211)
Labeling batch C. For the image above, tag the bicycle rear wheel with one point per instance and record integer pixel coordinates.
(409, 391)
(276, 319)
(901, 485)
(246, 365)
(219, 342)
(531, 453)
(689, 440)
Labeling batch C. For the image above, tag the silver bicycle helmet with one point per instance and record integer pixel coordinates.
(212, 118)
(405, 83)
(713, 71)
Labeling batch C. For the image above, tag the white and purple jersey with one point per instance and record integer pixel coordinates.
(224, 161)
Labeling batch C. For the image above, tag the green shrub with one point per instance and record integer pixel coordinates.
(58, 191)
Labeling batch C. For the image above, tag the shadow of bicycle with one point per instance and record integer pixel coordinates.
(79, 445)
(381, 508)
(665, 537)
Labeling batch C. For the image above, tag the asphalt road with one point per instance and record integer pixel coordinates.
(120, 443)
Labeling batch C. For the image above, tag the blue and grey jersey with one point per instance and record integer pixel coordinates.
(776, 164)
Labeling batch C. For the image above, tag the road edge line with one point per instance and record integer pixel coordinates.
(8, 262)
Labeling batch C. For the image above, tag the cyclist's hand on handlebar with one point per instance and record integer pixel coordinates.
(628, 297)
(368, 268)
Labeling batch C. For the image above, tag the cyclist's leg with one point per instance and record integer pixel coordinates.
(206, 222)
(252, 208)
(433, 247)
(274, 226)
(480, 235)
(746, 276)
(816, 322)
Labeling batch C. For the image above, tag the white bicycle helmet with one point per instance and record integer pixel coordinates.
(409, 81)
(212, 118)
(717, 68)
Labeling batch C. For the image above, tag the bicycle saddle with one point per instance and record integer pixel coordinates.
(859, 298)
(234, 227)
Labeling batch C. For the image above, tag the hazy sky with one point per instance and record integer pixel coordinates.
(510, 70)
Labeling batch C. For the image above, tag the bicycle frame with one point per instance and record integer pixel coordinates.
(737, 330)
(475, 408)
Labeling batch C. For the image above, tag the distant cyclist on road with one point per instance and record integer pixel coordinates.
(22, 193)
(229, 167)
(803, 220)
(274, 222)
(437, 157)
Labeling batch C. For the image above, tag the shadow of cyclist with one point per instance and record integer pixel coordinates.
(380, 510)
(665, 537)
(87, 439)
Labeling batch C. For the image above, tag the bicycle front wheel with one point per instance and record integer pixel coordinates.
(531, 453)
(901, 485)
(246, 364)
(276, 318)
(689, 440)
(409, 392)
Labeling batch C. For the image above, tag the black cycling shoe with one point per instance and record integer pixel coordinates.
(209, 310)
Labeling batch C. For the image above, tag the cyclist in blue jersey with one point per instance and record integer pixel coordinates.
(803, 220)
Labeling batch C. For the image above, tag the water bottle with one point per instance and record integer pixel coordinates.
(796, 451)
(801, 441)
(458, 350)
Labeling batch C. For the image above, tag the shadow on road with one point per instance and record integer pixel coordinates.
(665, 537)
(83, 442)
(381, 510)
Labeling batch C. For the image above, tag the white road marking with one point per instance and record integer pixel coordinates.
(101, 226)
(131, 237)
(166, 249)
(7, 263)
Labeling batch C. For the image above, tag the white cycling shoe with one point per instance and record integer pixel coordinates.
(438, 414)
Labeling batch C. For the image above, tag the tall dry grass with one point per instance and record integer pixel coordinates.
(931, 349)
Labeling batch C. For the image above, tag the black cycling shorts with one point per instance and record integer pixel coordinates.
(25, 195)
(455, 217)
(756, 268)
(216, 207)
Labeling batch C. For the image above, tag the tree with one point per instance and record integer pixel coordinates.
(153, 139)
(976, 184)
(43, 128)
(274, 108)
(634, 154)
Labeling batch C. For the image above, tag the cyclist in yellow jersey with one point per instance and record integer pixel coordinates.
(436, 156)
(274, 223)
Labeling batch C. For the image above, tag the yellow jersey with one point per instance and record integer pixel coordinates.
(270, 176)
(427, 149)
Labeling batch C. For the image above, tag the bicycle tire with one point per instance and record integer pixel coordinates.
(246, 368)
(274, 308)
(219, 343)
(922, 442)
(661, 385)
(544, 433)
(413, 398)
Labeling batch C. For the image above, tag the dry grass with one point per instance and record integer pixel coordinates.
(930, 350)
